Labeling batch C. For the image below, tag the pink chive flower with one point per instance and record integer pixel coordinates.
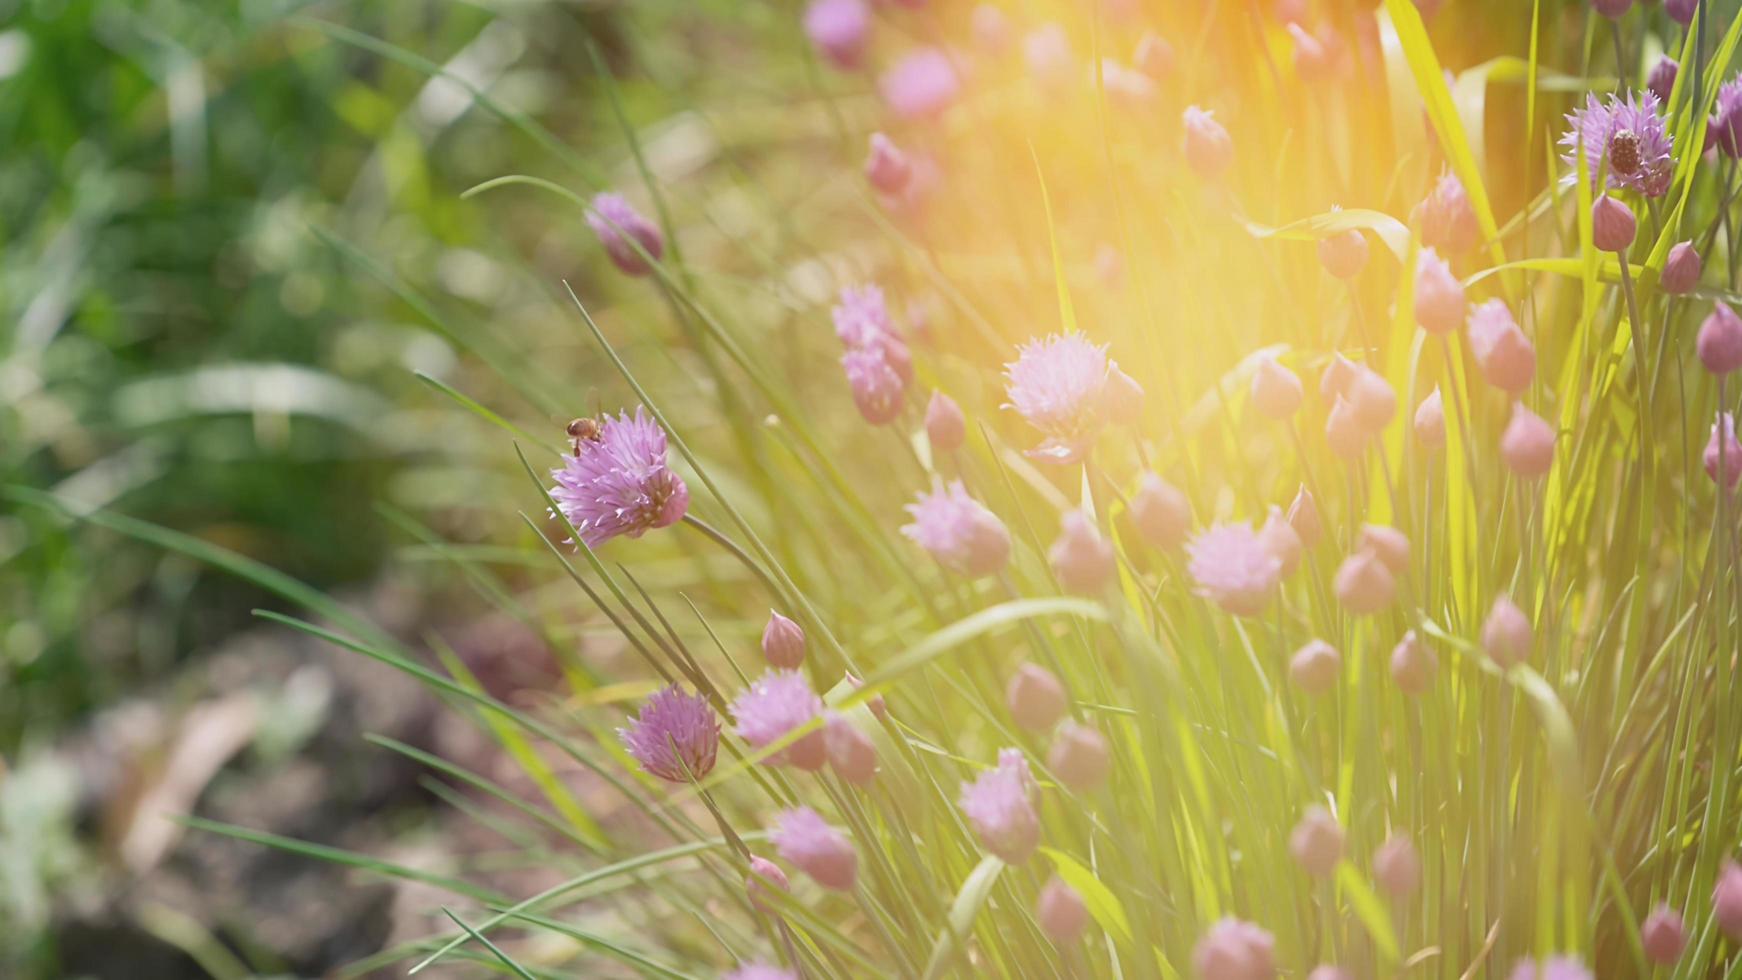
(1680, 11)
(1553, 968)
(1154, 56)
(1723, 453)
(1373, 399)
(1303, 516)
(1446, 218)
(999, 803)
(922, 83)
(1080, 757)
(1344, 254)
(1314, 668)
(1439, 296)
(1681, 269)
(1364, 584)
(1397, 866)
(1413, 665)
(861, 317)
(616, 482)
(760, 971)
(763, 875)
(1061, 912)
(958, 530)
(778, 703)
(1036, 698)
(1235, 950)
(1276, 391)
(945, 427)
(1627, 138)
(1390, 544)
(839, 29)
(1208, 147)
(783, 643)
(1727, 900)
(1661, 81)
(1719, 343)
(1160, 512)
(1430, 422)
(1344, 432)
(1527, 445)
(1317, 842)
(1233, 569)
(1337, 376)
(1612, 225)
(886, 167)
(1505, 355)
(1122, 400)
(1280, 539)
(674, 735)
(1058, 385)
(851, 754)
(1082, 559)
(1724, 128)
(1612, 9)
(1507, 634)
(617, 224)
(875, 383)
(1663, 935)
(806, 840)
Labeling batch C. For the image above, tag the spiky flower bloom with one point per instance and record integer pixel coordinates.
(886, 167)
(1208, 147)
(617, 224)
(1553, 968)
(1235, 950)
(1000, 805)
(780, 702)
(674, 735)
(1233, 568)
(1724, 129)
(839, 29)
(876, 386)
(803, 837)
(1505, 355)
(1446, 218)
(760, 971)
(861, 317)
(958, 530)
(1059, 386)
(616, 482)
(1723, 453)
(1626, 137)
(922, 83)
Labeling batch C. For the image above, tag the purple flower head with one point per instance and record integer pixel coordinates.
(1233, 568)
(999, 803)
(862, 317)
(1680, 11)
(958, 530)
(922, 83)
(760, 971)
(1662, 78)
(1208, 147)
(1439, 296)
(803, 837)
(839, 29)
(1664, 935)
(1724, 129)
(1681, 270)
(886, 167)
(1505, 355)
(875, 382)
(1612, 9)
(1723, 453)
(1446, 218)
(1553, 968)
(673, 732)
(617, 481)
(617, 223)
(1627, 137)
(1235, 950)
(780, 702)
(1057, 385)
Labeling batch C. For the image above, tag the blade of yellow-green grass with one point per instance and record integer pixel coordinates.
(969, 628)
(350, 859)
(1369, 909)
(507, 960)
(530, 762)
(963, 911)
(1691, 132)
(1394, 233)
(484, 413)
(1067, 314)
(478, 782)
(1101, 903)
(593, 940)
(1430, 81)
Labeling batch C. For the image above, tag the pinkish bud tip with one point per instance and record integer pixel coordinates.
(1315, 667)
(1430, 422)
(1061, 912)
(1080, 757)
(783, 643)
(1344, 254)
(1303, 516)
(1663, 935)
(944, 425)
(1727, 900)
(851, 754)
(1390, 544)
(1279, 538)
(1527, 445)
(1036, 698)
(1719, 343)
(1276, 391)
(1507, 634)
(1082, 558)
(1364, 584)
(1160, 512)
(1612, 223)
(1317, 842)
(1681, 270)
(1413, 665)
(1397, 867)
(763, 875)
